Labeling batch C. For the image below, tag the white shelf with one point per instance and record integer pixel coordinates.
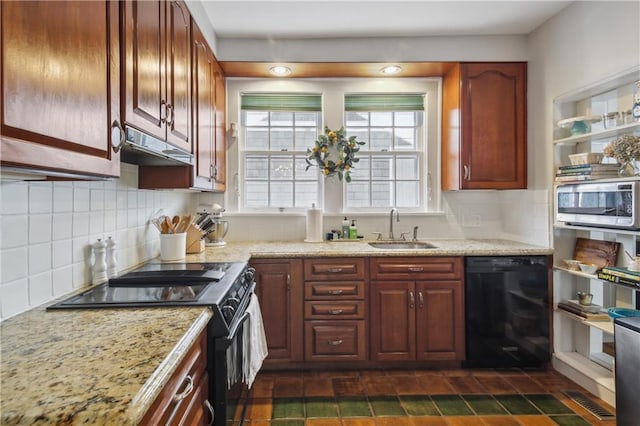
(590, 375)
(572, 140)
(560, 225)
(577, 273)
(604, 325)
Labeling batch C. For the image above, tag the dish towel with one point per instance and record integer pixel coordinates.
(254, 342)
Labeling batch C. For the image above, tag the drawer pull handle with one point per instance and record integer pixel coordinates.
(335, 291)
(210, 408)
(334, 342)
(416, 268)
(334, 270)
(187, 390)
(412, 300)
(421, 299)
(336, 311)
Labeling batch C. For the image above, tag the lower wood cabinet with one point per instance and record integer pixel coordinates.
(279, 290)
(421, 319)
(184, 399)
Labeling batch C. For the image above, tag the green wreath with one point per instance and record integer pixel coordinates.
(319, 154)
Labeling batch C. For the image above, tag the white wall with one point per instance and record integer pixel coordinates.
(46, 229)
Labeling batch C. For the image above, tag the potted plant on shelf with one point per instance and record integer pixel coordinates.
(626, 150)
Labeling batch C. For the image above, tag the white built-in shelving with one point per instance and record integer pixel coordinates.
(579, 344)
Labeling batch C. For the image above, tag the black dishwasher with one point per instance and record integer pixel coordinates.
(507, 312)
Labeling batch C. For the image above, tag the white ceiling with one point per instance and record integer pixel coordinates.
(298, 19)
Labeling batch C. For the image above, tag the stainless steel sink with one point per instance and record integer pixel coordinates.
(401, 245)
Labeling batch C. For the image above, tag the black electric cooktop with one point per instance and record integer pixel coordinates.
(161, 284)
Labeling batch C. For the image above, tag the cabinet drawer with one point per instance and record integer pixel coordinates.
(181, 390)
(334, 269)
(440, 268)
(334, 291)
(334, 310)
(335, 340)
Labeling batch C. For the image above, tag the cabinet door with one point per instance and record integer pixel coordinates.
(393, 335)
(440, 320)
(144, 46)
(60, 86)
(203, 111)
(221, 133)
(279, 289)
(178, 71)
(493, 150)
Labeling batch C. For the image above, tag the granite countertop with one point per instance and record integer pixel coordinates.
(245, 250)
(107, 366)
(103, 366)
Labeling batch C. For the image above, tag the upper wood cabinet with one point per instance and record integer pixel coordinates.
(484, 126)
(157, 83)
(220, 170)
(60, 92)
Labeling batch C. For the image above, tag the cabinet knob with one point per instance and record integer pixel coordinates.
(420, 299)
(173, 115)
(467, 172)
(412, 300)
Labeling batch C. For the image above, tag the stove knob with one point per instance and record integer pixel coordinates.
(233, 302)
(227, 312)
(249, 274)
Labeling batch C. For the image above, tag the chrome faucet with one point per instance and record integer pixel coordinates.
(415, 233)
(391, 221)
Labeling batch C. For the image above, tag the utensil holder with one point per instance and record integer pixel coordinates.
(194, 241)
(173, 246)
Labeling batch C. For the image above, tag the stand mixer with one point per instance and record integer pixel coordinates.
(214, 228)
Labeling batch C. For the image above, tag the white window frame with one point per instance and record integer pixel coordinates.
(333, 91)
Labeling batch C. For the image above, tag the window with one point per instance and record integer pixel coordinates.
(389, 173)
(278, 129)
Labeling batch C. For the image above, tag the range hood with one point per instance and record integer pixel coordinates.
(142, 149)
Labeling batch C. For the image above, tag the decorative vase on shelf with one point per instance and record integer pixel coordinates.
(628, 169)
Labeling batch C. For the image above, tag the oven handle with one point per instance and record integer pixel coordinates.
(234, 329)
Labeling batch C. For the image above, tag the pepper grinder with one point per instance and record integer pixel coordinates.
(112, 262)
(100, 265)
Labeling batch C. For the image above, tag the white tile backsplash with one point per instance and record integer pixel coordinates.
(15, 231)
(47, 229)
(40, 228)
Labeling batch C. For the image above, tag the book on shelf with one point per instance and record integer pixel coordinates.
(589, 167)
(566, 306)
(606, 276)
(622, 272)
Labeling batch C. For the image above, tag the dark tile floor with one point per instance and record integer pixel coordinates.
(416, 397)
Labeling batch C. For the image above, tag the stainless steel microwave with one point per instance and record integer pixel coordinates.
(604, 204)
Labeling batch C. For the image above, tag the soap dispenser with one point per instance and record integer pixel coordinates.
(353, 230)
(345, 228)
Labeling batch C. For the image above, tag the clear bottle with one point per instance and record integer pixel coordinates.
(345, 228)
(353, 230)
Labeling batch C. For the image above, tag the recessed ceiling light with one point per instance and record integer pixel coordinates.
(391, 69)
(280, 70)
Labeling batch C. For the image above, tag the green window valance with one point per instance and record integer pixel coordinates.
(384, 103)
(280, 102)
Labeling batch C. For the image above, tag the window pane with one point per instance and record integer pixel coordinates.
(306, 193)
(405, 119)
(256, 195)
(255, 167)
(281, 168)
(257, 139)
(305, 137)
(282, 119)
(281, 194)
(358, 194)
(256, 118)
(360, 169)
(309, 119)
(362, 135)
(381, 119)
(281, 139)
(382, 168)
(407, 168)
(357, 118)
(381, 194)
(406, 139)
(302, 174)
(381, 139)
(407, 194)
